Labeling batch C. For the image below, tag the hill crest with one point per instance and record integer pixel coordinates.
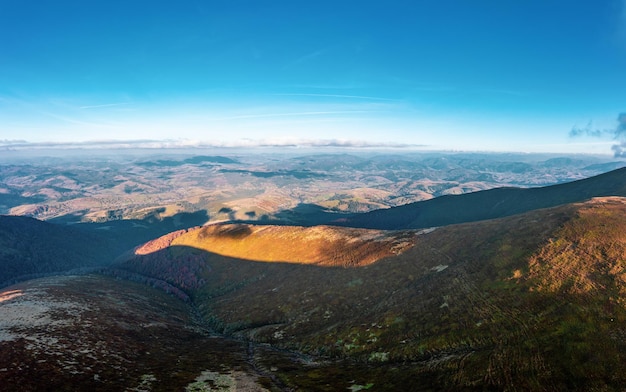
(319, 245)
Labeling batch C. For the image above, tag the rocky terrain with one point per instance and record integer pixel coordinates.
(99, 334)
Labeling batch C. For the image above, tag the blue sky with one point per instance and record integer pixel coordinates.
(452, 75)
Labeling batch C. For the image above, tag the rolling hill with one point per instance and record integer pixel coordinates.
(319, 245)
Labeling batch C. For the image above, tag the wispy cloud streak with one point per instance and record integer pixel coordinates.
(74, 121)
(589, 130)
(303, 59)
(295, 114)
(107, 105)
(338, 96)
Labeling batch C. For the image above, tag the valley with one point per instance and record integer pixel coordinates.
(312, 272)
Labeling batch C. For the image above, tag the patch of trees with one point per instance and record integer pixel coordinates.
(182, 268)
(152, 282)
(32, 247)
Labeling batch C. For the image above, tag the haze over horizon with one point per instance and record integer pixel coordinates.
(525, 76)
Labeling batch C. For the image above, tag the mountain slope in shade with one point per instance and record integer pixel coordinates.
(489, 204)
(532, 301)
(30, 247)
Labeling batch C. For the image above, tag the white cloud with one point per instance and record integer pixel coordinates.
(75, 121)
(186, 143)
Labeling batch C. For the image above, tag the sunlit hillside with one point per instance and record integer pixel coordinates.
(319, 245)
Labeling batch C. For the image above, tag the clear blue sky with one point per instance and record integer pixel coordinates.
(465, 75)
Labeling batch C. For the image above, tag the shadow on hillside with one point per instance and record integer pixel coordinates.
(453, 209)
(10, 200)
(204, 276)
(304, 214)
(197, 275)
(126, 234)
(31, 248)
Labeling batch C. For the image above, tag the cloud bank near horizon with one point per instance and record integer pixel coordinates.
(15, 145)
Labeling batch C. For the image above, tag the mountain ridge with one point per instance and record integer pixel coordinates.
(488, 204)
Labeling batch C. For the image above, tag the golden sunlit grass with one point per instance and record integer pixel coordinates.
(587, 255)
(321, 245)
(10, 294)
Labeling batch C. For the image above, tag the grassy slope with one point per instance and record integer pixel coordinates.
(319, 245)
(489, 204)
(531, 301)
